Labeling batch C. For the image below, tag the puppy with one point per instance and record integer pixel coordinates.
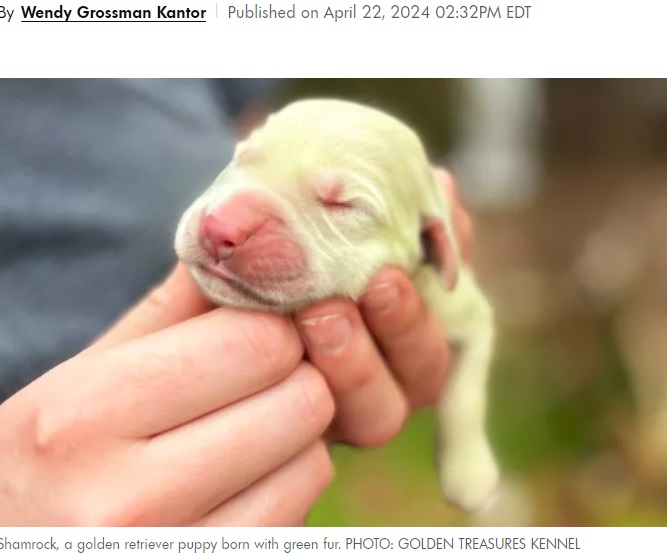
(312, 205)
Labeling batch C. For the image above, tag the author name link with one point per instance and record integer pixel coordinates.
(163, 13)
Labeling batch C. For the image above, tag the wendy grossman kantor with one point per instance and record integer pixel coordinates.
(84, 13)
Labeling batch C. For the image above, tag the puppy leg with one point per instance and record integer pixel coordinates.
(467, 468)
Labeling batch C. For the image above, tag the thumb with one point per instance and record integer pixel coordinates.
(175, 300)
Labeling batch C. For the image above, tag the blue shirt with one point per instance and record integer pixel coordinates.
(94, 175)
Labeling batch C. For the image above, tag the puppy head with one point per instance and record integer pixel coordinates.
(311, 206)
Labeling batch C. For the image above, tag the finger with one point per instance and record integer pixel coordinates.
(283, 498)
(214, 458)
(460, 218)
(150, 385)
(370, 406)
(173, 301)
(409, 335)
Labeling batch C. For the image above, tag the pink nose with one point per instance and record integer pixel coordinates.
(221, 236)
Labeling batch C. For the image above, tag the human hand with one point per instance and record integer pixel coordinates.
(177, 416)
(387, 356)
(104, 439)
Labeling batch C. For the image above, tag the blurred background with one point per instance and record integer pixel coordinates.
(567, 184)
(565, 179)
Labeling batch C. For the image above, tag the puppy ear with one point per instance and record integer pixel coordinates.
(438, 250)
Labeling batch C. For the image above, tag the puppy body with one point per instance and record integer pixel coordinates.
(313, 204)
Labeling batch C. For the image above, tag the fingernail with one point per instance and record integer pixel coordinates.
(330, 333)
(381, 298)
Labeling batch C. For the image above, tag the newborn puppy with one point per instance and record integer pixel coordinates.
(313, 204)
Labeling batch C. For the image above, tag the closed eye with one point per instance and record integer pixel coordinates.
(337, 205)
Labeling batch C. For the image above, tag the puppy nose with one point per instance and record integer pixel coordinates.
(221, 236)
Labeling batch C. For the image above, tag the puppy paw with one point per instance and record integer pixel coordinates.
(469, 476)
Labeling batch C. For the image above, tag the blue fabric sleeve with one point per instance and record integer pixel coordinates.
(93, 177)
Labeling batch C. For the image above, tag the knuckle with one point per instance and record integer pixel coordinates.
(52, 434)
(425, 336)
(423, 378)
(95, 499)
(353, 377)
(315, 402)
(384, 430)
